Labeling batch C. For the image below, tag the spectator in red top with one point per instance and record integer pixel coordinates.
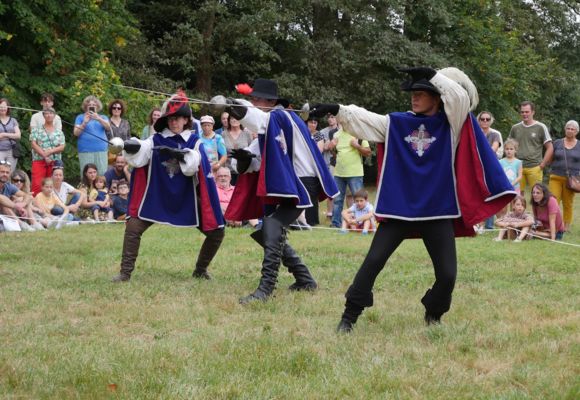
(549, 223)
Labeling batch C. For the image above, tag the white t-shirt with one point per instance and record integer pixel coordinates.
(64, 191)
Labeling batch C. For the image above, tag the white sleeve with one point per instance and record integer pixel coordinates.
(190, 165)
(255, 120)
(363, 124)
(455, 100)
(142, 157)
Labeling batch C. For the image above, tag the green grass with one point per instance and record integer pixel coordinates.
(67, 332)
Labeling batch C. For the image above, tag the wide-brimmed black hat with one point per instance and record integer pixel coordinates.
(267, 89)
(420, 84)
(176, 106)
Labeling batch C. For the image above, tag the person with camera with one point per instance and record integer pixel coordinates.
(171, 184)
(89, 127)
(438, 178)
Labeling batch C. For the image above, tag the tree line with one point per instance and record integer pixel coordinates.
(323, 50)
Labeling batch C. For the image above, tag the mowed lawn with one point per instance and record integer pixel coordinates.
(66, 331)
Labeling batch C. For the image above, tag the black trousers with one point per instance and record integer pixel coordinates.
(439, 239)
(313, 187)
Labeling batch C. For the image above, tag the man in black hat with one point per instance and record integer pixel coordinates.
(171, 184)
(417, 193)
(290, 172)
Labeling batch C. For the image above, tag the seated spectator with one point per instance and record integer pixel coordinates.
(71, 197)
(214, 145)
(90, 193)
(14, 202)
(102, 212)
(119, 173)
(120, 201)
(225, 191)
(53, 211)
(360, 216)
(547, 215)
(518, 220)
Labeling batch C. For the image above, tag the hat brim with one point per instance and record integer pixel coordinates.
(420, 85)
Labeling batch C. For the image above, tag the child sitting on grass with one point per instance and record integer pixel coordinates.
(360, 215)
(104, 212)
(120, 201)
(52, 210)
(517, 220)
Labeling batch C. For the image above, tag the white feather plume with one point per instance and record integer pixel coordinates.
(460, 77)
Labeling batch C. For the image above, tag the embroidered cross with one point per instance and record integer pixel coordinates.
(172, 167)
(420, 140)
(282, 141)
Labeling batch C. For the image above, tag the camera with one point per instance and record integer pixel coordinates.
(92, 109)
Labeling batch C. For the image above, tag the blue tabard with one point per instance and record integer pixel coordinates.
(417, 180)
(170, 197)
(277, 150)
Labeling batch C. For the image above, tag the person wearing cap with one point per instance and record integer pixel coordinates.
(439, 177)
(172, 184)
(47, 142)
(213, 143)
(290, 164)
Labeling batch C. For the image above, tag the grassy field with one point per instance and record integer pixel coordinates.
(67, 332)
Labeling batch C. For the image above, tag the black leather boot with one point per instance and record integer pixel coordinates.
(209, 248)
(274, 236)
(291, 260)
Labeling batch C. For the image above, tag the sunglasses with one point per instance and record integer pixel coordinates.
(485, 119)
(18, 180)
(116, 108)
(5, 162)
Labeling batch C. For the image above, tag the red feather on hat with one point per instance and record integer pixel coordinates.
(244, 88)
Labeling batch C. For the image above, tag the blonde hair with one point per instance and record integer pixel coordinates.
(511, 142)
(89, 99)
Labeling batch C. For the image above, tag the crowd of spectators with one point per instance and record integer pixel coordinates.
(46, 200)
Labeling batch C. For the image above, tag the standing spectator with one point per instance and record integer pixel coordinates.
(120, 201)
(71, 197)
(225, 124)
(120, 127)
(214, 145)
(532, 136)
(119, 173)
(486, 120)
(348, 170)
(235, 137)
(329, 152)
(47, 142)
(14, 202)
(37, 120)
(511, 165)
(310, 216)
(90, 126)
(565, 162)
(149, 130)
(9, 136)
(549, 223)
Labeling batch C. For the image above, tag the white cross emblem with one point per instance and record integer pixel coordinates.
(282, 141)
(420, 140)
(172, 167)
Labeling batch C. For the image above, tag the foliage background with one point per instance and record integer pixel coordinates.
(323, 50)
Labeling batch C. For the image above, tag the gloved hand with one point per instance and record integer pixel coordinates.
(320, 110)
(244, 158)
(131, 146)
(235, 110)
(166, 151)
(419, 72)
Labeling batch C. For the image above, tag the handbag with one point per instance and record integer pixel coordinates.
(573, 181)
(16, 148)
